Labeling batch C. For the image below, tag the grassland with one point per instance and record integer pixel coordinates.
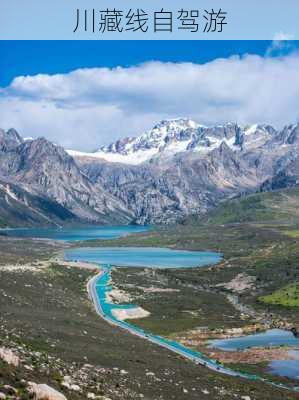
(292, 233)
(49, 312)
(48, 315)
(263, 249)
(268, 206)
(174, 307)
(258, 236)
(287, 296)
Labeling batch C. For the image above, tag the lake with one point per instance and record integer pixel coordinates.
(73, 234)
(270, 338)
(287, 368)
(143, 257)
(156, 258)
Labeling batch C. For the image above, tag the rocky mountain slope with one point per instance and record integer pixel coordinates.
(45, 184)
(21, 208)
(180, 168)
(176, 169)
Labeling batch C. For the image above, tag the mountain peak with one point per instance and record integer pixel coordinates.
(187, 168)
(176, 124)
(12, 133)
(9, 139)
(172, 136)
(161, 133)
(41, 149)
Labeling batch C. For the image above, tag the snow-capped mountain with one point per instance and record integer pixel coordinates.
(180, 167)
(171, 137)
(176, 169)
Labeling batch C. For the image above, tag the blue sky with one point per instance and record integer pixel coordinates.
(83, 94)
(34, 57)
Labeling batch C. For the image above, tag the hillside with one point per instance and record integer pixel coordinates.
(181, 168)
(21, 208)
(175, 170)
(43, 183)
(278, 205)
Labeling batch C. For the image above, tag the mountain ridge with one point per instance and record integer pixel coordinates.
(178, 168)
(187, 168)
(44, 170)
(179, 135)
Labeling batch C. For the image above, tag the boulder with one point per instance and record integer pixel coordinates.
(44, 392)
(9, 356)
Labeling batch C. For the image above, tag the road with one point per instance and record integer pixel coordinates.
(196, 357)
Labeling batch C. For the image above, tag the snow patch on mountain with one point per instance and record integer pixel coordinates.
(131, 159)
(170, 137)
(6, 189)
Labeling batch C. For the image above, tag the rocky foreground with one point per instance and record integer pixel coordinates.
(19, 363)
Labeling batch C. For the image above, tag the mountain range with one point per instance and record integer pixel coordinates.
(177, 169)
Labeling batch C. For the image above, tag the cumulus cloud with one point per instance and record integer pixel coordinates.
(89, 107)
(282, 44)
(283, 36)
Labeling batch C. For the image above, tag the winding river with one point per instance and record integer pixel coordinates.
(99, 285)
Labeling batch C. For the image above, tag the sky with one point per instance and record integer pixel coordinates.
(84, 94)
(56, 19)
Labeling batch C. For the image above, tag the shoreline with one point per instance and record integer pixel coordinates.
(194, 356)
(77, 264)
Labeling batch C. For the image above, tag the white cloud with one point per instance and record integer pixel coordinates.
(88, 107)
(281, 45)
(283, 36)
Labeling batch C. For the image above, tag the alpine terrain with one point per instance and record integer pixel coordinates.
(174, 170)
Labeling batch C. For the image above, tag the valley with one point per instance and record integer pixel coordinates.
(225, 190)
(259, 258)
(149, 219)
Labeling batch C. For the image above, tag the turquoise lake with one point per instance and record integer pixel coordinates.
(272, 337)
(73, 234)
(157, 258)
(143, 257)
(287, 368)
